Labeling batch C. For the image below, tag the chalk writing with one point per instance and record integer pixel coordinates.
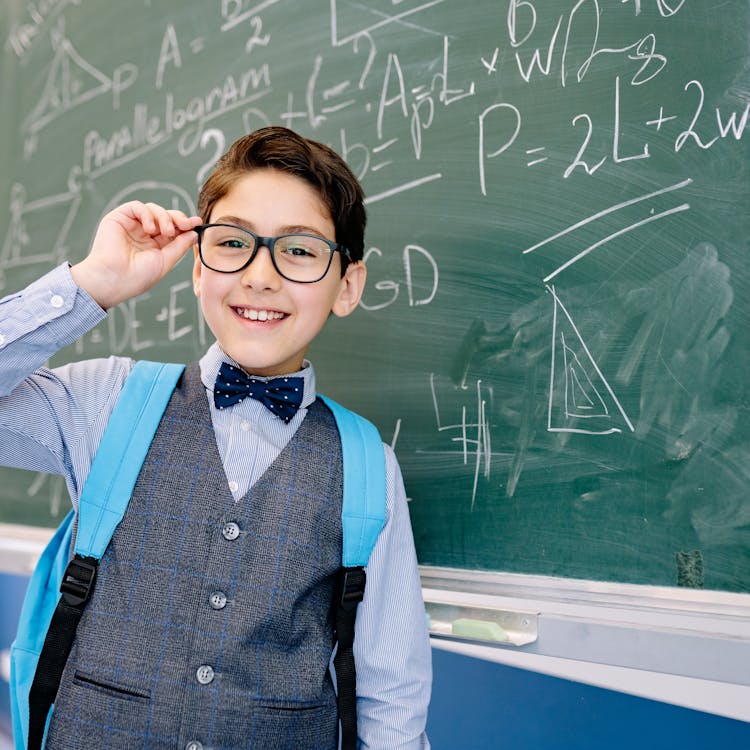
(23, 35)
(147, 130)
(169, 53)
(666, 8)
(72, 81)
(606, 212)
(731, 125)
(348, 22)
(236, 12)
(418, 267)
(473, 434)
(582, 31)
(20, 247)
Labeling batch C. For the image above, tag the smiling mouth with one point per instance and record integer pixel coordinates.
(262, 315)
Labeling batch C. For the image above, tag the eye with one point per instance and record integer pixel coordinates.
(298, 250)
(221, 238)
(234, 243)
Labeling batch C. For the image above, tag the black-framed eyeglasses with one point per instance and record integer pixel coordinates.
(304, 258)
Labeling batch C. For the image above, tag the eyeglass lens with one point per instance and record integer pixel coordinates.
(298, 257)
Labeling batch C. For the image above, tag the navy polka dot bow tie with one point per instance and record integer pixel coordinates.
(282, 396)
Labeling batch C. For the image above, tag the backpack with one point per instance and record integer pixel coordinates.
(60, 585)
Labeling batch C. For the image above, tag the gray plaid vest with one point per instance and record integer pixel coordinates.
(210, 626)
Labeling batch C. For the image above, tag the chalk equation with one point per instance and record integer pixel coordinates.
(470, 433)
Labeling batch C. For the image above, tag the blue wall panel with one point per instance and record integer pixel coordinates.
(480, 705)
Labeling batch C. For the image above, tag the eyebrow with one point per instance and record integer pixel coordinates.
(288, 229)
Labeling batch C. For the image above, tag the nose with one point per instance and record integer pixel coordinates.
(261, 273)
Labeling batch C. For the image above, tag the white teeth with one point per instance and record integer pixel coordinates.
(260, 314)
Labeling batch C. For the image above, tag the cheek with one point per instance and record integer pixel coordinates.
(211, 287)
(316, 307)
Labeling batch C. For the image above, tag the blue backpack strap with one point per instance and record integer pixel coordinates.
(121, 453)
(363, 514)
(104, 500)
(38, 606)
(362, 519)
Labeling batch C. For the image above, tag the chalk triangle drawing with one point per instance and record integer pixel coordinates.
(48, 233)
(71, 81)
(580, 398)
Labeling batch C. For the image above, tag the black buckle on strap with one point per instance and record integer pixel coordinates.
(352, 587)
(78, 580)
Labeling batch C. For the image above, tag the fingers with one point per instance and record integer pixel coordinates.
(158, 222)
(184, 222)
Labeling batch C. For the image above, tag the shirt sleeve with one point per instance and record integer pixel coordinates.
(391, 644)
(51, 420)
(37, 322)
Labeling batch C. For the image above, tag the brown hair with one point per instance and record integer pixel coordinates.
(319, 165)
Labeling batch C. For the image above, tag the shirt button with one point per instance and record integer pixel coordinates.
(56, 300)
(230, 531)
(205, 674)
(194, 745)
(233, 486)
(218, 600)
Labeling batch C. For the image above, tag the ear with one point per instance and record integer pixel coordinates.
(197, 270)
(350, 292)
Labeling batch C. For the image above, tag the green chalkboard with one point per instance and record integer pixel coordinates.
(556, 330)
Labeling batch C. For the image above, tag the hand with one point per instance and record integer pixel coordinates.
(136, 245)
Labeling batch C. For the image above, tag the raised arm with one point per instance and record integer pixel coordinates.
(51, 420)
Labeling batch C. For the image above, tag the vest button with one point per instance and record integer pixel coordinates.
(194, 745)
(218, 600)
(230, 531)
(205, 674)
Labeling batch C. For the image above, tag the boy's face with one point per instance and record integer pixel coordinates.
(272, 203)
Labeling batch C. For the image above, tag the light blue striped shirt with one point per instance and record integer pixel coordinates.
(52, 420)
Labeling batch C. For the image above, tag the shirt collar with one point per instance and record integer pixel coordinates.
(211, 361)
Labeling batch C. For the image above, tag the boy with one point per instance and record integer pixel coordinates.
(210, 624)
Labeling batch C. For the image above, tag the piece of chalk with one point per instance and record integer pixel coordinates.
(440, 627)
(483, 630)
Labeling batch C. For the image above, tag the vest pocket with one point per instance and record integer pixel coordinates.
(114, 689)
(91, 713)
(285, 724)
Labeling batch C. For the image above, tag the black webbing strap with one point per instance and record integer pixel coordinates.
(349, 592)
(76, 586)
